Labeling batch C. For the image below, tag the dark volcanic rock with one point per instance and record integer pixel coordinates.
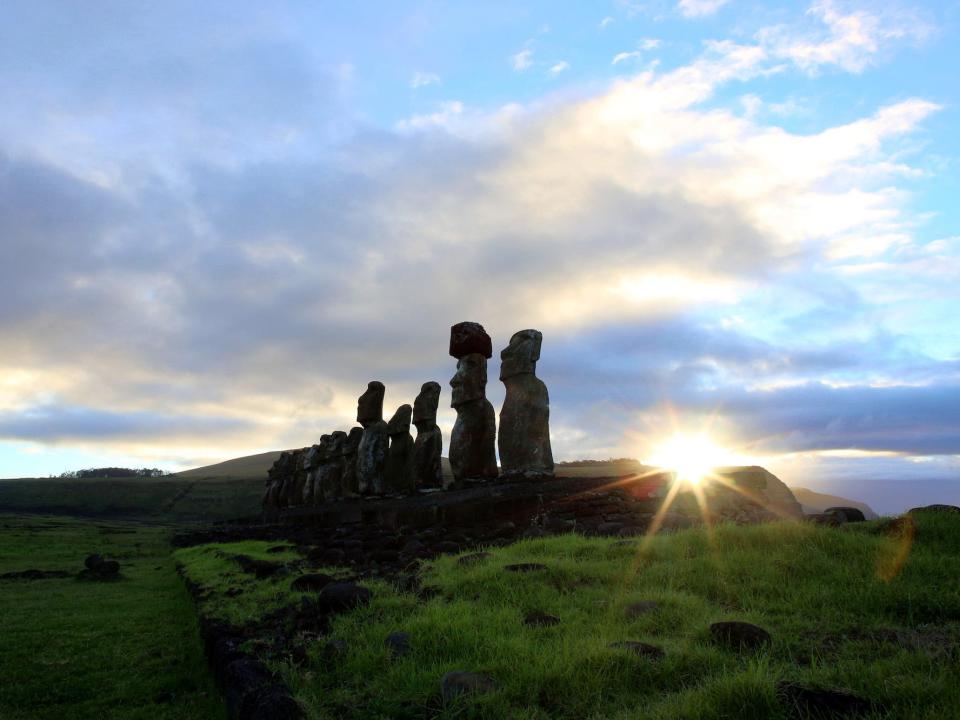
(651, 652)
(644, 607)
(935, 508)
(473, 453)
(342, 596)
(259, 568)
(804, 701)
(270, 702)
(457, 683)
(398, 644)
(849, 514)
(470, 337)
(473, 558)
(524, 439)
(539, 619)
(524, 567)
(738, 635)
(35, 574)
(97, 568)
(311, 582)
(426, 467)
(92, 561)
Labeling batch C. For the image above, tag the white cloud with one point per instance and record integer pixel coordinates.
(559, 67)
(645, 45)
(422, 79)
(850, 40)
(522, 60)
(623, 56)
(700, 8)
(606, 21)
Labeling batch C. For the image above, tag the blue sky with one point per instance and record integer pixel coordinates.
(218, 221)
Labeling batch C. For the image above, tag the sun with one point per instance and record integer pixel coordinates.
(691, 457)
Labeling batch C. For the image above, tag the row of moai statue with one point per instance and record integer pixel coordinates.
(382, 458)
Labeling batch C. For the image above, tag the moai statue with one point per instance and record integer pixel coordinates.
(314, 460)
(524, 439)
(330, 473)
(399, 478)
(473, 454)
(288, 479)
(311, 461)
(372, 453)
(426, 470)
(349, 480)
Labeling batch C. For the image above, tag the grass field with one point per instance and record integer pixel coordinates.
(122, 649)
(858, 607)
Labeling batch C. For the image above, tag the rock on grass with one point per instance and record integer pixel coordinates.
(457, 683)
(737, 635)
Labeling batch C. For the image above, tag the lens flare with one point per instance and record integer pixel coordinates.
(692, 457)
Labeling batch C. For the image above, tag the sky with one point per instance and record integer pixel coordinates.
(219, 220)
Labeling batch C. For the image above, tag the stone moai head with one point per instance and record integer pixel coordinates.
(469, 383)
(370, 404)
(471, 345)
(400, 422)
(325, 446)
(521, 355)
(352, 441)
(426, 404)
(338, 441)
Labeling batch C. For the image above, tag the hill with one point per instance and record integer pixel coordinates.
(815, 502)
(241, 468)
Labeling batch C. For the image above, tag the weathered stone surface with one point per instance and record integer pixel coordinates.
(524, 439)
(375, 443)
(540, 619)
(807, 701)
(339, 597)
(312, 462)
(349, 478)
(472, 444)
(738, 635)
(462, 682)
(311, 582)
(426, 467)
(398, 473)
(935, 508)
(467, 338)
(849, 514)
(329, 475)
(398, 644)
(645, 650)
(638, 609)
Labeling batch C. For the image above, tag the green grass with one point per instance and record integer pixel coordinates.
(98, 650)
(810, 586)
(169, 499)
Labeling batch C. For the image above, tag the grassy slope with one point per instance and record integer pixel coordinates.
(808, 585)
(73, 649)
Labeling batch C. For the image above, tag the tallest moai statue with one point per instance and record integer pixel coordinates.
(524, 438)
(473, 454)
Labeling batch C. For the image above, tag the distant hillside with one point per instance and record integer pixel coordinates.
(248, 467)
(814, 502)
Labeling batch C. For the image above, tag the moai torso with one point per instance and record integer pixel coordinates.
(330, 472)
(311, 461)
(524, 439)
(398, 471)
(374, 445)
(426, 467)
(349, 480)
(473, 441)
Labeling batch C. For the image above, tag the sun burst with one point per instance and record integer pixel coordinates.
(692, 457)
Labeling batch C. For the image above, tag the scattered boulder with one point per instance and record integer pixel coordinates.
(458, 683)
(398, 644)
(524, 567)
(738, 635)
(849, 514)
(934, 508)
(34, 574)
(259, 568)
(342, 596)
(645, 650)
(806, 701)
(539, 619)
(644, 607)
(311, 582)
(473, 558)
(98, 568)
